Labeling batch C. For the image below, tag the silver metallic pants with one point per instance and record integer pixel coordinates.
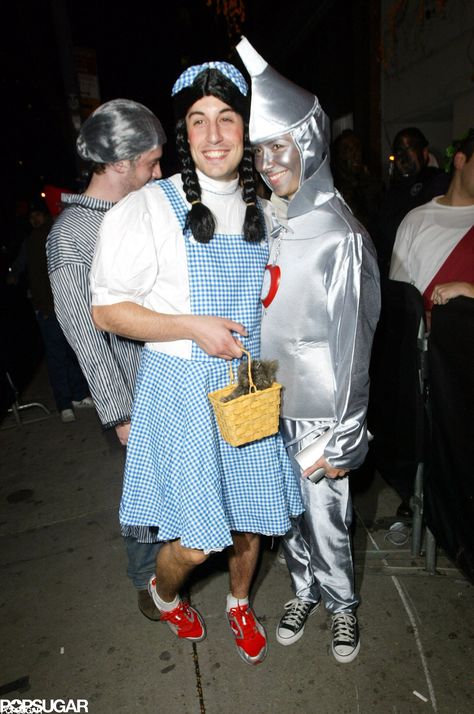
(318, 548)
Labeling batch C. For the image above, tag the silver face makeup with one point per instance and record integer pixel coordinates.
(280, 163)
(281, 109)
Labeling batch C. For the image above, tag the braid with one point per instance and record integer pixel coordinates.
(253, 229)
(199, 220)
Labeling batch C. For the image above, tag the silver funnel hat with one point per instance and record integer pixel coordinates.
(278, 106)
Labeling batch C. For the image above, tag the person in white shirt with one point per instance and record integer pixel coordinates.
(435, 242)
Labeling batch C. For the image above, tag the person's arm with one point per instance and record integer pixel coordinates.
(132, 243)
(399, 264)
(353, 306)
(110, 390)
(123, 432)
(447, 291)
(212, 334)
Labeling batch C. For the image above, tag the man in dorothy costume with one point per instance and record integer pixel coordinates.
(321, 300)
(180, 265)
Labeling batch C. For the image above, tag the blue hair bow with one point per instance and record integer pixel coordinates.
(228, 70)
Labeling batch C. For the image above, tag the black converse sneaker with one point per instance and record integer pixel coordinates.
(291, 626)
(345, 637)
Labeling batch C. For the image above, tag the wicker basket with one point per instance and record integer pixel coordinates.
(249, 417)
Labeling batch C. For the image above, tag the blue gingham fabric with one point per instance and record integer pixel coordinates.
(228, 70)
(180, 475)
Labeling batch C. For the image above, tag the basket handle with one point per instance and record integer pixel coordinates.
(252, 387)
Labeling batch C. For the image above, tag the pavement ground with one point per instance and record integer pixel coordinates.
(71, 628)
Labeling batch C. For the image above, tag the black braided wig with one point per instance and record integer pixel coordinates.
(200, 220)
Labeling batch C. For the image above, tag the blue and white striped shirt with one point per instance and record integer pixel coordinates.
(109, 362)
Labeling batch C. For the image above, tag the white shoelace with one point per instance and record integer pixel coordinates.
(343, 627)
(297, 612)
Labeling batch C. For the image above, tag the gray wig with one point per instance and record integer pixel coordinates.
(118, 130)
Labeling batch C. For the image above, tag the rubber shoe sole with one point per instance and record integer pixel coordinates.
(253, 660)
(345, 659)
(239, 633)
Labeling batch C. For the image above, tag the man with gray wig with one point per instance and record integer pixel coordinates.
(123, 141)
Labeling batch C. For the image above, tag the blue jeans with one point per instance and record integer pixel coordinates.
(141, 561)
(65, 375)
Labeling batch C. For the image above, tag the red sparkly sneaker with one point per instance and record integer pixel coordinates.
(183, 620)
(250, 637)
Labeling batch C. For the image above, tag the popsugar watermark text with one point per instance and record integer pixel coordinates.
(44, 706)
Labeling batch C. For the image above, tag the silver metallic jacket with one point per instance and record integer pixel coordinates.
(321, 322)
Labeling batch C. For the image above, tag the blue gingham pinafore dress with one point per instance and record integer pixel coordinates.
(180, 475)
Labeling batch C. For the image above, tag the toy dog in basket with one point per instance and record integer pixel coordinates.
(263, 375)
(249, 409)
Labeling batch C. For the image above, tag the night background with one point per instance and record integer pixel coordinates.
(68, 57)
(327, 46)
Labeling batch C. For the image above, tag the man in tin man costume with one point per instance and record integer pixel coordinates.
(321, 306)
(179, 264)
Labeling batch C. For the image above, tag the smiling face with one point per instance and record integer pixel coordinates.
(216, 138)
(280, 163)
